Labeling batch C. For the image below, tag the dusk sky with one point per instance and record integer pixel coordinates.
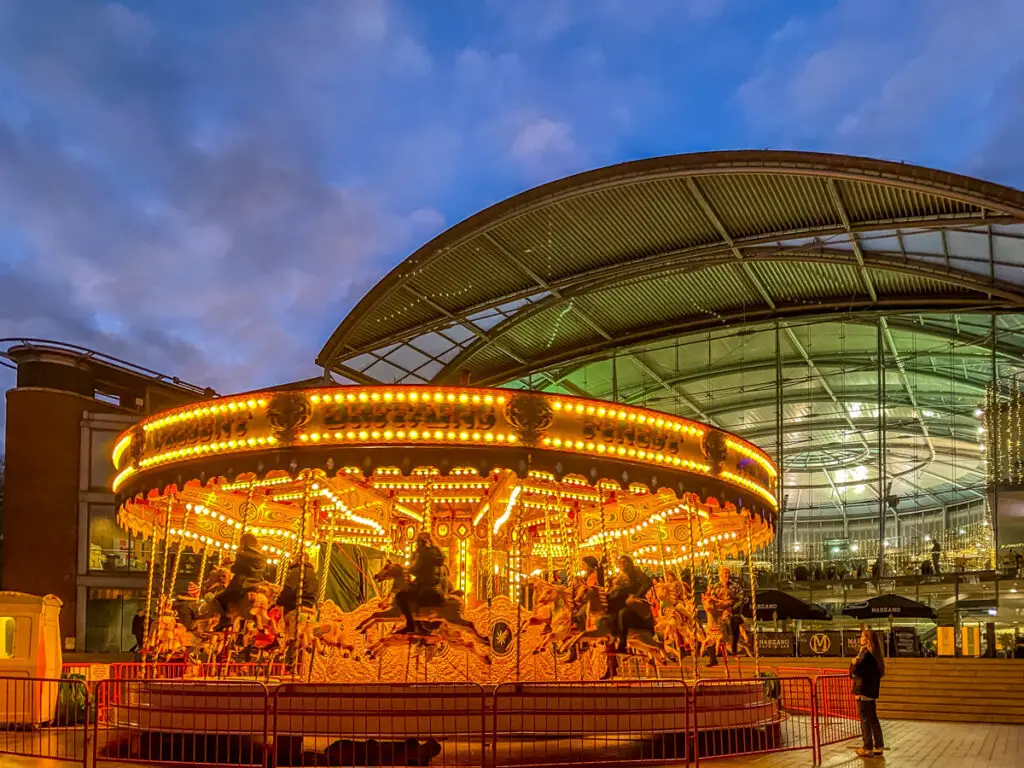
(206, 188)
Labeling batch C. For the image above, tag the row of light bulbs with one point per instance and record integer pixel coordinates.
(751, 453)
(748, 483)
(632, 453)
(198, 450)
(640, 417)
(401, 397)
(412, 434)
(204, 410)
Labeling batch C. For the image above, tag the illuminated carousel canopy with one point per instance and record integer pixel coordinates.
(546, 476)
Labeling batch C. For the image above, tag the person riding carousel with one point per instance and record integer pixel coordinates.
(246, 571)
(593, 577)
(289, 597)
(425, 588)
(627, 601)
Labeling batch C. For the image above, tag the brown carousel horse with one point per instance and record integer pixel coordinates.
(448, 612)
(600, 630)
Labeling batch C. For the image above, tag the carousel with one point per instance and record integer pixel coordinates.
(491, 535)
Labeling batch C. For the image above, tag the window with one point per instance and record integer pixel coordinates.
(101, 467)
(6, 637)
(111, 548)
(108, 619)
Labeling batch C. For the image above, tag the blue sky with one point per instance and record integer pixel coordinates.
(206, 188)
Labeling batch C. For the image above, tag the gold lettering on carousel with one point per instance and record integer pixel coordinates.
(206, 429)
(642, 436)
(447, 416)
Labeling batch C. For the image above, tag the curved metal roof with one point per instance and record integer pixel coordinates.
(641, 250)
(712, 285)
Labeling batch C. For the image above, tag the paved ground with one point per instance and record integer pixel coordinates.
(911, 744)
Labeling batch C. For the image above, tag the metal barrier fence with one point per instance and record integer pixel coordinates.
(380, 724)
(174, 721)
(837, 717)
(571, 724)
(44, 718)
(204, 670)
(755, 716)
(206, 721)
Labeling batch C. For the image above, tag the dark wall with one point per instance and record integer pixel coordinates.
(41, 495)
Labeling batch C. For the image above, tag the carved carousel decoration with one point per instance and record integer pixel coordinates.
(502, 534)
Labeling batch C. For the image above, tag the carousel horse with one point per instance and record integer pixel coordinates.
(314, 636)
(169, 640)
(718, 636)
(441, 634)
(601, 630)
(554, 608)
(675, 621)
(546, 597)
(448, 611)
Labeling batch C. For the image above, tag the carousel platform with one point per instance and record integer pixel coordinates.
(443, 711)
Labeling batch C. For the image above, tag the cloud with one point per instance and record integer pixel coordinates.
(208, 193)
(887, 79)
(207, 241)
(540, 139)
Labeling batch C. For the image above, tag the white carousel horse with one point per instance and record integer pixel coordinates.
(676, 623)
(718, 635)
(554, 609)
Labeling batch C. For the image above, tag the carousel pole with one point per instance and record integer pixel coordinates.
(693, 595)
(662, 538)
(490, 585)
(519, 567)
(149, 591)
(326, 548)
(167, 547)
(547, 534)
(177, 551)
(245, 512)
(301, 548)
(753, 603)
(201, 577)
(604, 530)
(428, 502)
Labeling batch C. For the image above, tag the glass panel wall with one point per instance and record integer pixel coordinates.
(881, 421)
(108, 619)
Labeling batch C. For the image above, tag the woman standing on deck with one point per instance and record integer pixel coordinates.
(867, 671)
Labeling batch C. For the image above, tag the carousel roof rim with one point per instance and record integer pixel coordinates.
(261, 398)
(163, 482)
(417, 426)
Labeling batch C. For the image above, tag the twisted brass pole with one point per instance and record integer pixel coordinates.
(753, 603)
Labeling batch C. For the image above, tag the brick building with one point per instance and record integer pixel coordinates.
(60, 534)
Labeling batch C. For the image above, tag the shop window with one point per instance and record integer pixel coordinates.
(111, 548)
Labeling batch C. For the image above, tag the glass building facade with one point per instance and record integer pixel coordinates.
(860, 320)
(868, 418)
